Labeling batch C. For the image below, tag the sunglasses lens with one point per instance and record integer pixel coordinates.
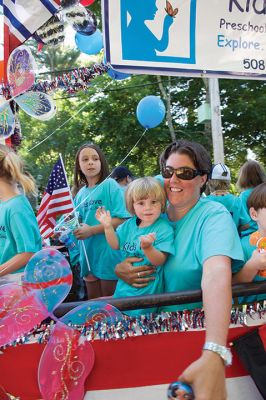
(184, 173)
(187, 174)
(167, 172)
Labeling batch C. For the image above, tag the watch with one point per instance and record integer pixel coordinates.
(223, 351)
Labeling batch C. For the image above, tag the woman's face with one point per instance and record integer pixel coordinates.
(90, 164)
(182, 194)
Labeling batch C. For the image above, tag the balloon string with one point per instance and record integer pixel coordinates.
(64, 123)
(59, 127)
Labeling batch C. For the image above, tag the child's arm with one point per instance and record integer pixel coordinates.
(105, 219)
(155, 256)
(15, 263)
(256, 263)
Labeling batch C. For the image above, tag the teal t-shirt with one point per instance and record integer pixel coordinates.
(129, 243)
(234, 205)
(253, 227)
(101, 257)
(19, 232)
(206, 230)
(248, 250)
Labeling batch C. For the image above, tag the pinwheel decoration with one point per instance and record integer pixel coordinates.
(68, 357)
(21, 69)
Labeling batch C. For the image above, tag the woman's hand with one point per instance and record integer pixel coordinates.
(84, 231)
(135, 276)
(258, 259)
(206, 385)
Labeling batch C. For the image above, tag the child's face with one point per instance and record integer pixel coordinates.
(90, 164)
(260, 217)
(147, 210)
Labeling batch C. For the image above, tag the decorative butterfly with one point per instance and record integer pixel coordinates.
(68, 358)
(170, 10)
(21, 69)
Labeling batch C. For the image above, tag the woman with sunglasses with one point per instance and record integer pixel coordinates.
(206, 244)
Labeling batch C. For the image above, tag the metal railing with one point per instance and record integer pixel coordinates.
(165, 299)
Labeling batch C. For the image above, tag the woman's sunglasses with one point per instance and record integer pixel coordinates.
(185, 173)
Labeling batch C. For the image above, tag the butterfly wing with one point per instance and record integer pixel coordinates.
(20, 311)
(65, 364)
(50, 274)
(20, 70)
(37, 104)
(7, 120)
(92, 312)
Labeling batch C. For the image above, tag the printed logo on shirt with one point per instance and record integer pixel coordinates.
(92, 204)
(2, 232)
(130, 246)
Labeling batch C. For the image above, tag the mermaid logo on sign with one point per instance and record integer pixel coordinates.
(159, 31)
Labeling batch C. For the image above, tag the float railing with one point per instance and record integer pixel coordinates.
(166, 299)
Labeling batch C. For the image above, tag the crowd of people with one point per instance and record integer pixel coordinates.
(153, 235)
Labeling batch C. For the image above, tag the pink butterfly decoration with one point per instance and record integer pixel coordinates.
(66, 362)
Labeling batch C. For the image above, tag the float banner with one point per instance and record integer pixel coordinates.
(217, 38)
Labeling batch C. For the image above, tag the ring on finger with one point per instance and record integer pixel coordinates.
(139, 275)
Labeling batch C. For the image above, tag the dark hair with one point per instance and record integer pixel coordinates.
(257, 199)
(121, 172)
(251, 174)
(195, 151)
(79, 178)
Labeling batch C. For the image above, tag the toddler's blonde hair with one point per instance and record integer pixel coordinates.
(143, 188)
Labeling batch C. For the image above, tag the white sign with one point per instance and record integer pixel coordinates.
(219, 38)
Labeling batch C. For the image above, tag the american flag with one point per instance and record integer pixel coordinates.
(24, 17)
(57, 200)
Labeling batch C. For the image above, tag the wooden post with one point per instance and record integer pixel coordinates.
(216, 121)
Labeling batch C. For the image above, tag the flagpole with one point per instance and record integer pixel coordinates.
(82, 241)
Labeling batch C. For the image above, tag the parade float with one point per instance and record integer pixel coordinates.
(91, 350)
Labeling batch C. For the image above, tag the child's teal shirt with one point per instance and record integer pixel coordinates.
(102, 258)
(248, 250)
(129, 234)
(19, 232)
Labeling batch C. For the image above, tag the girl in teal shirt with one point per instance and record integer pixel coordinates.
(94, 189)
(19, 233)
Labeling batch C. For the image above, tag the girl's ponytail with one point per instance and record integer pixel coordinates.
(12, 170)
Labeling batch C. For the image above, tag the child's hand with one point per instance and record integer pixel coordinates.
(147, 240)
(104, 217)
(83, 232)
(258, 260)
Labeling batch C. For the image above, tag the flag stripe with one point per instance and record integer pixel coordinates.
(56, 201)
(50, 7)
(17, 25)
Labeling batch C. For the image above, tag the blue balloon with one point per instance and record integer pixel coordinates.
(92, 44)
(150, 111)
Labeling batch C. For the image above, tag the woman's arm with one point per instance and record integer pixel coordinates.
(217, 301)
(15, 263)
(256, 263)
(135, 276)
